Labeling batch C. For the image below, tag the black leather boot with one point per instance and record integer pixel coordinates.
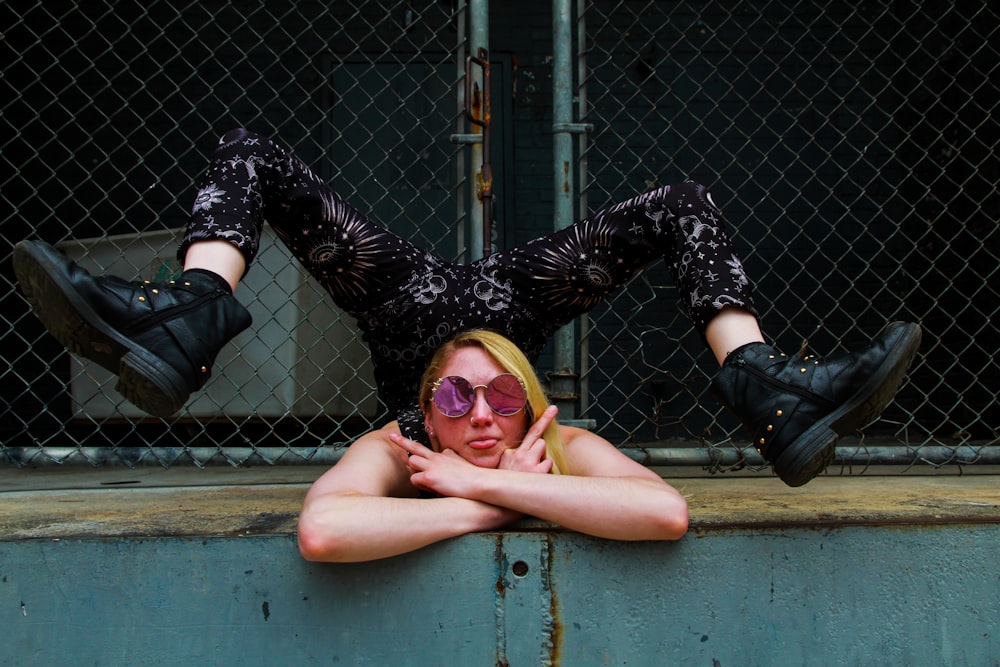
(160, 339)
(796, 408)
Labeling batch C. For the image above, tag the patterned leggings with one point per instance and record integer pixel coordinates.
(408, 302)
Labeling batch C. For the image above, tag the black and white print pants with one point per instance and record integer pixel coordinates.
(408, 302)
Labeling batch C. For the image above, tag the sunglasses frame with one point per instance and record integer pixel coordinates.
(437, 385)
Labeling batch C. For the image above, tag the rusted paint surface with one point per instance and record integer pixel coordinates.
(499, 602)
(554, 625)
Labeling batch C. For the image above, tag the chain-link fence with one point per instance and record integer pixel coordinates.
(852, 145)
(854, 148)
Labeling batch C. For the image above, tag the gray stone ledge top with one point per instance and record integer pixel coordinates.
(188, 502)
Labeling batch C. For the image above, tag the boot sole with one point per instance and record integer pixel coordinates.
(143, 378)
(814, 450)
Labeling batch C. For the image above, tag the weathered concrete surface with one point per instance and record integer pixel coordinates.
(200, 567)
(178, 502)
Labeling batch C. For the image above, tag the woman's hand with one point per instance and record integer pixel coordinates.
(448, 474)
(445, 473)
(530, 456)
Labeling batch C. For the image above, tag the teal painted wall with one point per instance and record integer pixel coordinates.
(912, 595)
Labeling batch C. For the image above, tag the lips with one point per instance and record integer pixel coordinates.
(483, 444)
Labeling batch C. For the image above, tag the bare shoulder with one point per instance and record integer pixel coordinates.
(371, 465)
(591, 455)
(574, 437)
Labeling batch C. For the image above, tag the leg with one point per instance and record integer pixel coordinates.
(567, 273)
(732, 328)
(219, 257)
(796, 408)
(370, 272)
(163, 339)
(251, 178)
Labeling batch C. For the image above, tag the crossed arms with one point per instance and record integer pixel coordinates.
(368, 505)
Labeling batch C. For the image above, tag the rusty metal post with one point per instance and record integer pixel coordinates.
(479, 40)
(461, 248)
(564, 376)
(583, 174)
(475, 104)
(479, 112)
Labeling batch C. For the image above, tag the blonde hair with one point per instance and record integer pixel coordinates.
(510, 357)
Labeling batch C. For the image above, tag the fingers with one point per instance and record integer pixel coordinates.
(411, 447)
(535, 448)
(542, 423)
(529, 456)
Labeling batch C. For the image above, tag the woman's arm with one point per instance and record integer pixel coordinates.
(365, 508)
(604, 493)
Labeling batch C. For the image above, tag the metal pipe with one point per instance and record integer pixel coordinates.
(583, 175)
(479, 38)
(706, 457)
(563, 378)
(935, 455)
(460, 212)
(480, 114)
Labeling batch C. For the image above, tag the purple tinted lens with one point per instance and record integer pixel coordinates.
(505, 395)
(454, 396)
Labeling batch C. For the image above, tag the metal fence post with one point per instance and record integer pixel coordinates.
(563, 377)
(479, 38)
(582, 175)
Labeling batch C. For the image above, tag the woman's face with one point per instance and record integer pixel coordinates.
(481, 435)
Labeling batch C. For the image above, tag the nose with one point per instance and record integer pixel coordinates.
(481, 413)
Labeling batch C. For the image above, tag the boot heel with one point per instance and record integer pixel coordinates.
(153, 388)
(807, 456)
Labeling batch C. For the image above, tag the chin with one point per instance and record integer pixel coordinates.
(486, 459)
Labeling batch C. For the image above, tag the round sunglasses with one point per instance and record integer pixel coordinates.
(454, 396)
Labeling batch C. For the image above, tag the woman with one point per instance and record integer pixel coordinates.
(496, 454)
(161, 339)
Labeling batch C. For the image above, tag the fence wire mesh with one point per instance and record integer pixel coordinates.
(853, 147)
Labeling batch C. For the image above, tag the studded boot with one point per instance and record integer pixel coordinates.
(160, 339)
(796, 408)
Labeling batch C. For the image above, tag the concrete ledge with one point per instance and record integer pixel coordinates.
(188, 566)
(82, 503)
